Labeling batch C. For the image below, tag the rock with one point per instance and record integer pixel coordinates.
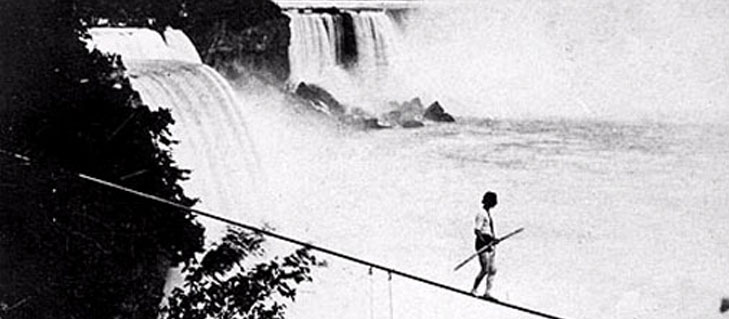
(412, 124)
(392, 117)
(435, 112)
(408, 113)
(412, 110)
(320, 97)
(414, 105)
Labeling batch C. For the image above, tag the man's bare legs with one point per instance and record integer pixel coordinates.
(487, 270)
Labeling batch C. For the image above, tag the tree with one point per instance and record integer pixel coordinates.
(70, 249)
(225, 284)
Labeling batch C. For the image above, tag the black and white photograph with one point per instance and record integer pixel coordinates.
(364, 159)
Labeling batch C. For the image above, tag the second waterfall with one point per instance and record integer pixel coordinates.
(351, 53)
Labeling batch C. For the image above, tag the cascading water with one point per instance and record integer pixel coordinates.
(210, 127)
(587, 192)
(350, 53)
(144, 44)
(313, 49)
(614, 60)
(376, 41)
(214, 142)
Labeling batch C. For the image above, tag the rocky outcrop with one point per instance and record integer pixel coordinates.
(412, 113)
(408, 114)
(405, 114)
(324, 102)
(436, 113)
(320, 99)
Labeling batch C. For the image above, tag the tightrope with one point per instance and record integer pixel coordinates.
(295, 241)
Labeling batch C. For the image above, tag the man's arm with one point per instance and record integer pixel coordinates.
(488, 239)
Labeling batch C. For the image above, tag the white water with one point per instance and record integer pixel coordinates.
(624, 217)
(209, 120)
(375, 36)
(313, 49)
(315, 41)
(607, 59)
(212, 129)
(144, 44)
(622, 220)
(377, 40)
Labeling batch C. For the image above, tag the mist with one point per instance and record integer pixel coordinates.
(605, 60)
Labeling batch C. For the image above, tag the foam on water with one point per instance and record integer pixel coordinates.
(621, 220)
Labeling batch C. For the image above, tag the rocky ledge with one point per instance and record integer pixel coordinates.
(408, 114)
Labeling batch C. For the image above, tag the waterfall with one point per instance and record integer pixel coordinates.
(144, 44)
(209, 120)
(351, 53)
(314, 46)
(375, 37)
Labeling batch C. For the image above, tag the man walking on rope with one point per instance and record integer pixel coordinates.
(484, 230)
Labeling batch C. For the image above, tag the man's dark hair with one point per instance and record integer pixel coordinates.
(489, 199)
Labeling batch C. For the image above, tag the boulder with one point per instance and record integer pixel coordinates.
(392, 117)
(410, 112)
(435, 112)
(319, 97)
(414, 105)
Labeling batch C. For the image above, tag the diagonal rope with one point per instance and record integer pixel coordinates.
(215, 217)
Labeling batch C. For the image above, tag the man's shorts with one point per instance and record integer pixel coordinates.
(489, 257)
(480, 244)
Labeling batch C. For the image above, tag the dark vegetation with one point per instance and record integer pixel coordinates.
(73, 249)
(236, 37)
(240, 38)
(226, 285)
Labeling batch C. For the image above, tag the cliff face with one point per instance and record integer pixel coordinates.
(242, 37)
(261, 49)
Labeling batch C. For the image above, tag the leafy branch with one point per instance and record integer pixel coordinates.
(222, 286)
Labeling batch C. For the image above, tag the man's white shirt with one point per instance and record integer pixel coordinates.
(484, 223)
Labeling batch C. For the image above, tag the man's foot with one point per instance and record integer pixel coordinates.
(473, 293)
(487, 296)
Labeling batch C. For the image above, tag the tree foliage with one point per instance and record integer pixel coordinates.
(182, 14)
(225, 284)
(72, 249)
(68, 248)
(230, 35)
